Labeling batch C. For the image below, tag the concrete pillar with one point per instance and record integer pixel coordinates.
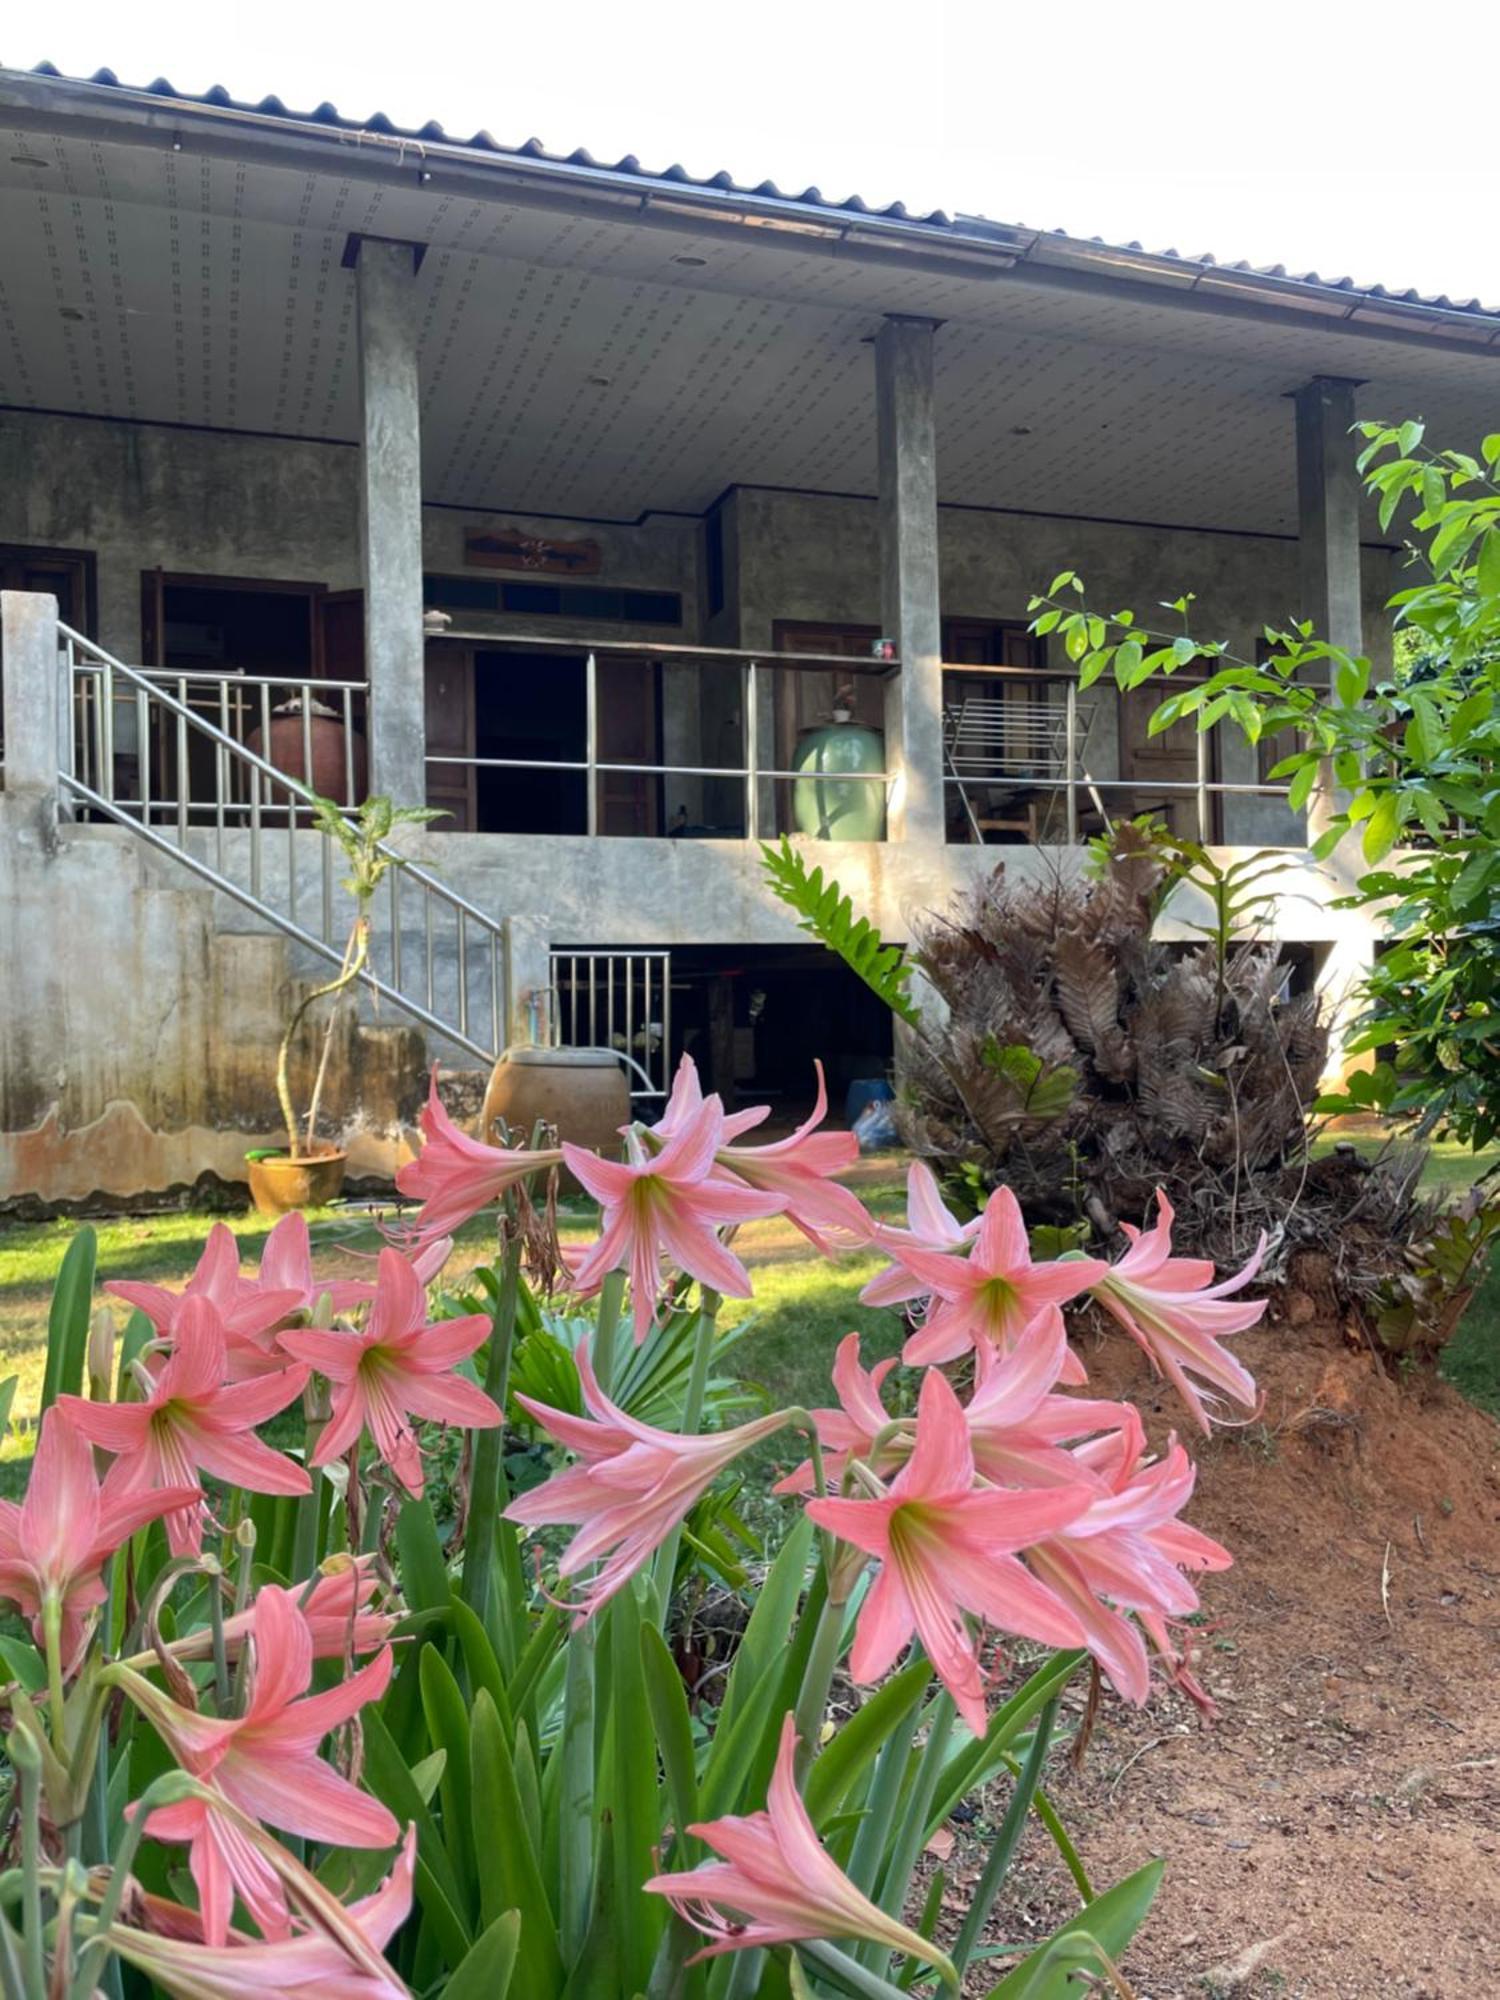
(909, 575)
(391, 519)
(1328, 496)
(35, 712)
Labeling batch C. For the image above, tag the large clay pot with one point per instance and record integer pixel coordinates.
(828, 805)
(325, 738)
(279, 1184)
(580, 1092)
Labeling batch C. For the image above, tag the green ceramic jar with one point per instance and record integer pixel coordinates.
(827, 804)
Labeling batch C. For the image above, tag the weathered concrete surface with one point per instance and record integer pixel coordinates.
(906, 437)
(137, 1043)
(390, 514)
(1328, 497)
(143, 496)
(34, 710)
(815, 557)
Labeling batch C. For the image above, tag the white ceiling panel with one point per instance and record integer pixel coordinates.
(593, 364)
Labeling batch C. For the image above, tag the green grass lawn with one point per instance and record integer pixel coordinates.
(803, 1305)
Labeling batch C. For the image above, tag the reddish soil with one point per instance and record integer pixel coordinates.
(1334, 1833)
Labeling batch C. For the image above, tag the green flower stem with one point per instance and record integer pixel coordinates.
(27, 1759)
(487, 1491)
(692, 1418)
(305, 1542)
(1011, 1827)
(56, 1708)
(216, 1639)
(812, 1698)
(611, 1300)
(911, 1836)
(168, 1789)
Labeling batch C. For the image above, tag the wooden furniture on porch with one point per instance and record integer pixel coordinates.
(1006, 754)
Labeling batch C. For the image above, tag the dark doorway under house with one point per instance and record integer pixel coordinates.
(756, 1019)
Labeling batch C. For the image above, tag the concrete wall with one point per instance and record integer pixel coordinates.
(816, 557)
(136, 1034)
(146, 496)
(138, 1037)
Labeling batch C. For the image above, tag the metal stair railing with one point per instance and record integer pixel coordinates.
(237, 827)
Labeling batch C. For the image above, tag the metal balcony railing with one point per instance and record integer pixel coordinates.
(1027, 757)
(312, 729)
(755, 798)
(433, 955)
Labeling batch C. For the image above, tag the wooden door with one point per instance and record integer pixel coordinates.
(628, 694)
(1169, 759)
(339, 645)
(66, 574)
(805, 700)
(450, 732)
(982, 642)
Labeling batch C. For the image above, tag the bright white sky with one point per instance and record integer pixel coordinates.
(1315, 133)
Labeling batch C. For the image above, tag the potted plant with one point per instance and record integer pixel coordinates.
(831, 801)
(311, 1172)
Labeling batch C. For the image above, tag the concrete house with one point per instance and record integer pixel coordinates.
(575, 499)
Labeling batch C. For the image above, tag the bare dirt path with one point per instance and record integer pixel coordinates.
(1335, 1832)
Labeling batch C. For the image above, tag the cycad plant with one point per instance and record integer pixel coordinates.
(1085, 1062)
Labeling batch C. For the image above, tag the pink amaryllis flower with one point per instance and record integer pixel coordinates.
(334, 1962)
(248, 1308)
(1018, 1425)
(850, 1430)
(946, 1547)
(266, 1763)
(286, 1266)
(1171, 1306)
(1127, 1551)
(399, 1367)
(777, 1884)
(455, 1176)
(191, 1419)
(995, 1291)
(632, 1486)
(54, 1545)
(336, 1607)
(797, 1168)
(930, 1225)
(668, 1201)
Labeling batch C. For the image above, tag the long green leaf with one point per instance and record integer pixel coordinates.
(765, 1636)
(635, 1799)
(972, 1766)
(852, 1750)
(448, 1728)
(673, 1727)
(389, 1779)
(480, 1663)
(424, 1573)
(509, 1875)
(573, 1761)
(68, 1319)
(1107, 1924)
(537, 1655)
(485, 1972)
(1002, 1850)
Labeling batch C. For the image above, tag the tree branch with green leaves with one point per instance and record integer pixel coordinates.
(1412, 752)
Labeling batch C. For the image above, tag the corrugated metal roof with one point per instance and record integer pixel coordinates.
(1206, 260)
(1016, 237)
(432, 133)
